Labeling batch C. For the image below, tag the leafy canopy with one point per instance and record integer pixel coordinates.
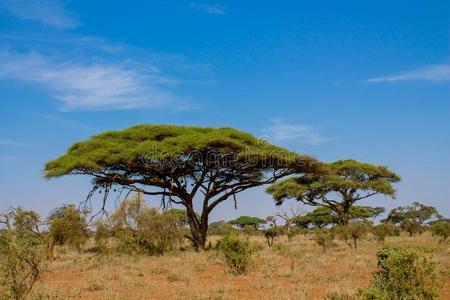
(243, 221)
(346, 182)
(139, 147)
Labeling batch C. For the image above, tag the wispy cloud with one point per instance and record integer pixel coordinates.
(280, 130)
(12, 143)
(90, 86)
(216, 9)
(433, 73)
(48, 12)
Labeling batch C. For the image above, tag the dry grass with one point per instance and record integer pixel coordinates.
(290, 270)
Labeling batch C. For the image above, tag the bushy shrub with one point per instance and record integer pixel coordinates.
(140, 228)
(402, 274)
(271, 233)
(22, 254)
(352, 231)
(441, 229)
(324, 238)
(102, 235)
(291, 232)
(381, 231)
(68, 227)
(412, 227)
(251, 231)
(237, 253)
(222, 228)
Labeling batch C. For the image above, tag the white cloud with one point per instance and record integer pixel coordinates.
(279, 130)
(210, 8)
(90, 86)
(434, 73)
(48, 12)
(11, 143)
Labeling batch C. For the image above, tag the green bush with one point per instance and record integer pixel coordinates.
(324, 238)
(222, 228)
(381, 231)
(21, 260)
(140, 228)
(353, 231)
(402, 274)
(441, 229)
(68, 227)
(237, 253)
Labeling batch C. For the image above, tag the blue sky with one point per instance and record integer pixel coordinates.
(335, 79)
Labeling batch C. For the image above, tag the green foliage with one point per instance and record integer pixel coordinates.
(141, 228)
(381, 231)
(68, 226)
(22, 253)
(103, 233)
(411, 226)
(243, 221)
(402, 274)
(250, 230)
(271, 233)
(416, 213)
(441, 229)
(237, 253)
(222, 228)
(349, 180)
(324, 238)
(354, 232)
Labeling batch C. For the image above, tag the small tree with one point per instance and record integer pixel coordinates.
(22, 252)
(324, 238)
(222, 228)
(441, 229)
(144, 228)
(345, 183)
(402, 274)
(381, 231)
(68, 226)
(353, 231)
(243, 221)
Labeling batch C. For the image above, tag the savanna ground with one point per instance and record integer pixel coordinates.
(298, 269)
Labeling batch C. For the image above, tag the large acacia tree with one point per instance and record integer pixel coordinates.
(181, 164)
(344, 183)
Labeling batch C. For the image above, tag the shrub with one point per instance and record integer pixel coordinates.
(68, 226)
(102, 235)
(250, 230)
(141, 228)
(402, 274)
(21, 259)
(441, 229)
(324, 238)
(411, 226)
(222, 228)
(270, 234)
(353, 231)
(381, 231)
(237, 253)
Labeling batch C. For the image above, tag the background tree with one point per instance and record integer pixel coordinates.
(68, 226)
(441, 229)
(141, 228)
(243, 221)
(345, 183)
(180, 164)
(324, 216)
(417, 213)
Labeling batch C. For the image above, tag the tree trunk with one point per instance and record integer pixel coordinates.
(199, 228)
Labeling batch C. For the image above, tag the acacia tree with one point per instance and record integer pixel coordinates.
(181, 164)
(243, 221)
(345, 183)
